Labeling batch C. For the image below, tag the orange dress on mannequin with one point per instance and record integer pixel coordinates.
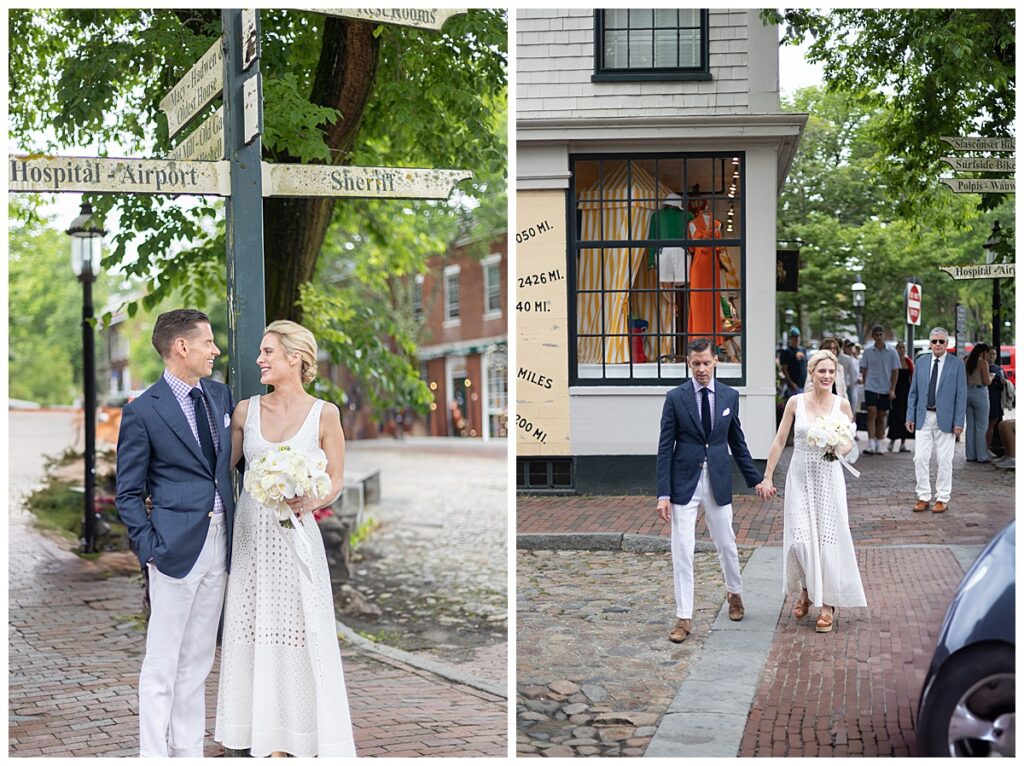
(705, 318)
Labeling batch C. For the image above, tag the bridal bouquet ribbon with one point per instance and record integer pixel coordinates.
(828, 433)
(281, 474)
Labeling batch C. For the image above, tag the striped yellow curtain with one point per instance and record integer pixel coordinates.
(622, 268)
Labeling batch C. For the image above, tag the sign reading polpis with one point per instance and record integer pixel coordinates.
(424, 18)
(200, 85)
(981, 185)
(34, 173)
(339, 181)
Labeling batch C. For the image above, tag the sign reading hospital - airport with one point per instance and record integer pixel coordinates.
(42, 173)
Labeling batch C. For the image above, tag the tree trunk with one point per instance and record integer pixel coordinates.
(294, 228)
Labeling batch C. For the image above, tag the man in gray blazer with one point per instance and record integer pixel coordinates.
(936, 410)
(699, 425)
(175, 447)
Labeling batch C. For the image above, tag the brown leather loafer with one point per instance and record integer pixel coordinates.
(939, 506)
(735, 607)
(680, 631)
(921, 505)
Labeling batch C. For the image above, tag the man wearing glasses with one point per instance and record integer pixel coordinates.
(938, 405)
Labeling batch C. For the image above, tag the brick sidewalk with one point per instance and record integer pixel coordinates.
(854, 692)
(879, 504)
(75, 653)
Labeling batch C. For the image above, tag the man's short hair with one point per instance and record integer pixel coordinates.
(938, 331)
(699, 345)
(878, 328)
(179, 323)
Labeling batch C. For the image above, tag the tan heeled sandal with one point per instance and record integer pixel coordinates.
(803, 605)
(825, 622)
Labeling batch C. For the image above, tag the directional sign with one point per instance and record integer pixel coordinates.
(981, 271)
(979, 143)
(40, 173)
(982, 164)
(250, 39)
(981, 185)
(205, 143)
(251, 92)
(200, 85)
(913, 303)
(341, 181)
(424, 18)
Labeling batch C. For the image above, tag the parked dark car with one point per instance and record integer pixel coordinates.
(967, 704)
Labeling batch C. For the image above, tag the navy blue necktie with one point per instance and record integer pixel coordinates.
(705, 412)
(932, 382)
(203, 427)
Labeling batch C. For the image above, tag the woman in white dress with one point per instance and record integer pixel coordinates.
(282, 691)
(819, 562)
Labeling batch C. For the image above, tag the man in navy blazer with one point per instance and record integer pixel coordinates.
(175, 448)
(699, 425)
(936, 411)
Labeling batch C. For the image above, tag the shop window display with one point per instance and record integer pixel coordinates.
(657, 253)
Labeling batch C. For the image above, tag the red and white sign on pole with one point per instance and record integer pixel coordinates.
(913, 303)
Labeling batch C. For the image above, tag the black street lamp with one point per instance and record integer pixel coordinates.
(990, 257)
(859, 289)
(86, 242)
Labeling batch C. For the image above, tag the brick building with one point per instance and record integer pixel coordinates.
(463, 345)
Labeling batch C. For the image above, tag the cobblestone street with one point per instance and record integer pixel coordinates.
(75, 648)
(595, 671)
(851, 692)
(437, 565)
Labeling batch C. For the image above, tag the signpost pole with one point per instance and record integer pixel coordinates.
(244, 223)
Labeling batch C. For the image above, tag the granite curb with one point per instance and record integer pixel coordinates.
(601, 541)
(428, 664)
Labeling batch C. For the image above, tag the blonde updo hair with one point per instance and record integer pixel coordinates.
(297, 339)
(817, 358)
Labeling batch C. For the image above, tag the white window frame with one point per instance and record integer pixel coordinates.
(491, 260)
(449, 320)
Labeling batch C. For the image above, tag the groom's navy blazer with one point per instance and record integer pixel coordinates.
(682, 447)
(158, 456)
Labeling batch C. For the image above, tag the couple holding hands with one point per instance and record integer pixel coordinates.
(699, 426)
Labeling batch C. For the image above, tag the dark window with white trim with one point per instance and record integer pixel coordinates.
(651, 44)
(657, 253)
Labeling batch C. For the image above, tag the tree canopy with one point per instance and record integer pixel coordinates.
(336, 91)
(846, 224)
(936, 72)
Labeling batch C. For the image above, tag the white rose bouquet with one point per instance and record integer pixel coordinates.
(829, 433)
(281, 474)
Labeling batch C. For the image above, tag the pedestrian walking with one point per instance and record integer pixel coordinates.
(898, 413)
(936, 410)
(880, 366)
(978, 380)
(819, 562)
(793, 361)
(699, 427)
(851, 373)
(995, 399)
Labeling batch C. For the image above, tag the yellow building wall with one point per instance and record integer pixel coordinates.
(541, 366)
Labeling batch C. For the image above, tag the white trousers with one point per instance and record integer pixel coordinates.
(684, 531)
(180, 646)
(926, 438)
